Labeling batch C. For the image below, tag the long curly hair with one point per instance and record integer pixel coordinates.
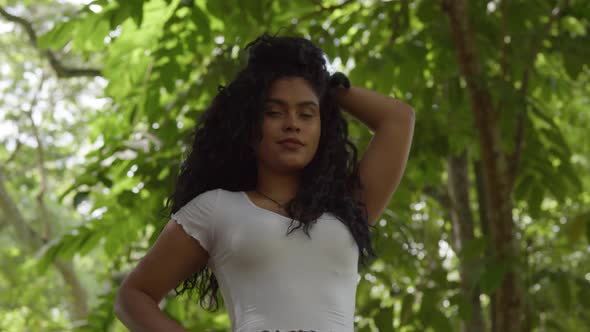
(222, 155)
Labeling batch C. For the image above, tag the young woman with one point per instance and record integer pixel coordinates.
(271, 155)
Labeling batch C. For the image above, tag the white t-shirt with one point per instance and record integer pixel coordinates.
(270, 281)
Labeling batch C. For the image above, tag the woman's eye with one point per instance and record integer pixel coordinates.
(272, 113)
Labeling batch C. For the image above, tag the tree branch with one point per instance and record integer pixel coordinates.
(325, 9)
(13, 154)
(503, 44)
(24, 231)
(61, 70)
(399, 21)
(486, 117)
(509, 294)
(28, 236)
(514, 157)
(40, 160)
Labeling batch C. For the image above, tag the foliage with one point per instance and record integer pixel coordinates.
(163, 61)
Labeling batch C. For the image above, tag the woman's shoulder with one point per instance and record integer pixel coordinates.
(218, 196)
(207, 199)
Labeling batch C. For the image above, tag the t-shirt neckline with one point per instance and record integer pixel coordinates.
(259, 208)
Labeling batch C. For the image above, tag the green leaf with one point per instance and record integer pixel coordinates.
(407, 308)
(474, 249)
(127, 198)
(575, 228)
(47, 254)
(428, 303)
(537, 193)
(564, 291)
(80, 197)
(455, 93)
(539, 114)
(57, 37)
(573, 65)
(440, 322)
(66, 192)
(71, 244)
(492, 276)
(464, 306)
(133, 113)
(218, 8)
(119, 14)
(152, 104)
(583, 294)
(136, 9)
(554, 324)
(202, 22)
(384, 319)
(101, 316)
(567, 170)
(254, 9)
(523, 185)
(557, 140)
(169, 73)
(426, 12)
(174, 308)
(90, 242)
(85, 31)
(102, 177)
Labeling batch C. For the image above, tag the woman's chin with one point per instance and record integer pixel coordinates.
(291, 165)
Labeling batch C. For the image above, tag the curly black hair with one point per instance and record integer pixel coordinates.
(222, 154)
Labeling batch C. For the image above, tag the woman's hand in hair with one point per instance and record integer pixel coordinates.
(338, 79)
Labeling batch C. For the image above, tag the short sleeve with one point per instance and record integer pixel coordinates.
(196, 218)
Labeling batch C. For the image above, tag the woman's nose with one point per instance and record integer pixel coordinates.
(291, 121)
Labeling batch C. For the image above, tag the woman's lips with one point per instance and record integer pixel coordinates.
(291, 145)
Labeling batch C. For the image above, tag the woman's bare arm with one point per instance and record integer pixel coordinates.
(140, 313)
(174, 257)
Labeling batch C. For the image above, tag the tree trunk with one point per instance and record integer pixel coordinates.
(79, 297)
(462, 220)
(485, 230)
(31, 242)
(494, 168)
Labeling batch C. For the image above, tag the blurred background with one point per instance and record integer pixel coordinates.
(491, 221)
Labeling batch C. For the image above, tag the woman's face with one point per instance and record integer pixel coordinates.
(291, 110)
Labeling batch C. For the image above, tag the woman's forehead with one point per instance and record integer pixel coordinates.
(292, 89)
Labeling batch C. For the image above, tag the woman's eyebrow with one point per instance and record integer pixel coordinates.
(299, 104)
